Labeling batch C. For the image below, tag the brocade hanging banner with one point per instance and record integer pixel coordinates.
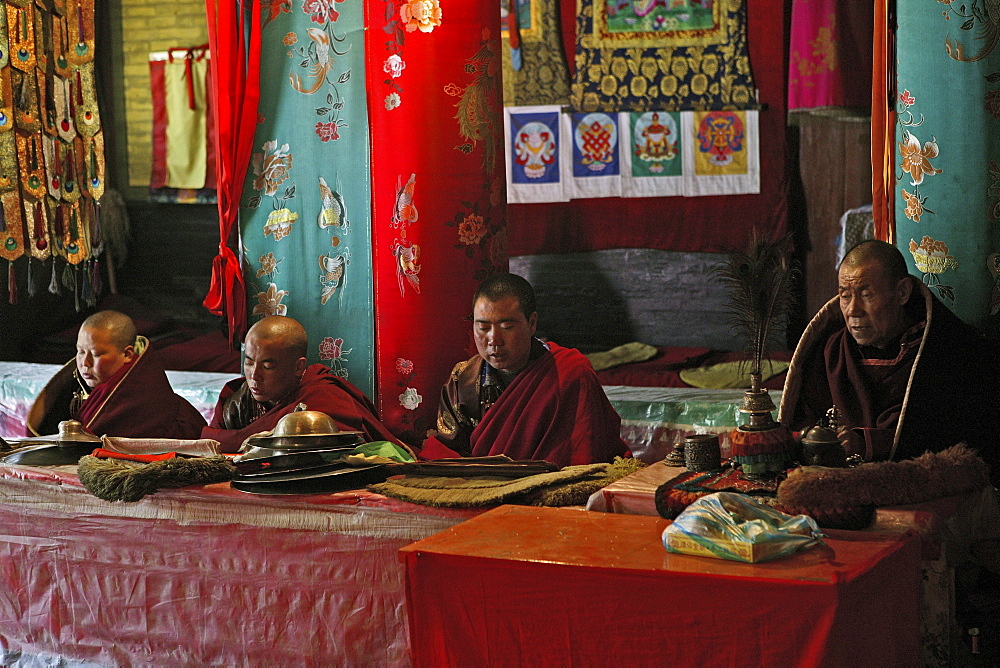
(543, 77)
(52, 169)
(534, 154)
(639, 55)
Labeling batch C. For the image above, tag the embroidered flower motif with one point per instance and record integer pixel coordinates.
(471, 230)
(404, 366)
(268, 265)
(330, 348)
(392, 101)
(409, 399)
(914, 207)
(279, 223)
(907, 99)
(931, 256)
(321, 11)
(423, 15)
(394, 66)
(992, 103)
(290, 38)
(271, 167)
(916, 160)
(327, 131)
(269, 302)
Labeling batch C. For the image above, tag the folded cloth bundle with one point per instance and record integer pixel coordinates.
(201, 447)
(551, 488)
(729, 375)
(120, 480)
(623, 354)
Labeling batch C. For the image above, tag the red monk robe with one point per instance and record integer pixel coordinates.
(554, 410)
(319, 390)
(136, 402)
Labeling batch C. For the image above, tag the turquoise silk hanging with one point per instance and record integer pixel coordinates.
(947, 153)
(305, 212)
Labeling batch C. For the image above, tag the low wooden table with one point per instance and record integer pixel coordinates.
(557, 587)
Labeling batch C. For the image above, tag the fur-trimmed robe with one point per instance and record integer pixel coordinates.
(949, 396)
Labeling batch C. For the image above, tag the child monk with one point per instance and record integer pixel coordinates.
(114, 387)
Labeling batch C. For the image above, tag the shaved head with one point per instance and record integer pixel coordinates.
(274, 358)
(287, 333)
(121, 330)
(105, 343)
(884, 254)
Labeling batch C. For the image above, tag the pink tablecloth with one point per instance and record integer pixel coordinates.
(203, 575)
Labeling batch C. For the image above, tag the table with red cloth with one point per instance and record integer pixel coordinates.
(203, 575)
(560, 587)
(929, 521)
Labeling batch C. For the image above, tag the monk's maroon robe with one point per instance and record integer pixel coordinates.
(136, 402)
(319, 390)
(940, 390)
(554, 410)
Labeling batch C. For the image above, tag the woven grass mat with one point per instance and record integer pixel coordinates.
(120, 480)
(570, 485)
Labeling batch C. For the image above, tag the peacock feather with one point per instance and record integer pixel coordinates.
(760, 281)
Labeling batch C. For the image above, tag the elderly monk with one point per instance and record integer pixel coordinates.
(905, 373)
(276, 379)
(520, 397)
(114, 387)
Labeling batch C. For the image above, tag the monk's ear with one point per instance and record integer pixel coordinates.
(904, 289)
(129, 353)
(533, 322)
(300, 366)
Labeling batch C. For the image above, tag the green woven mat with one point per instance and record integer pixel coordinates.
(567, 486)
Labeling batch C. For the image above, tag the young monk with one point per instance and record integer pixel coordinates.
(114, 387)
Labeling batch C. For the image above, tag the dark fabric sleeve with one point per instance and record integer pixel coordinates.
(453, 426)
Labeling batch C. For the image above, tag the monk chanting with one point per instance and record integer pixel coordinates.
(115, 387)
(276, 379)
(520, 397)
(904, 373)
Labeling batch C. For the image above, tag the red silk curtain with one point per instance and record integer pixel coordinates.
(883, 123)
(235, 91)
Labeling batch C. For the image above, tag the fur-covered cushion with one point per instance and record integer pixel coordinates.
(932, 475)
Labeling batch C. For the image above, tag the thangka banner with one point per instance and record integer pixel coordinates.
(630, 154)
(595, 155)
(652, 148)
(724, 156)
(638, 55)
(534, 155)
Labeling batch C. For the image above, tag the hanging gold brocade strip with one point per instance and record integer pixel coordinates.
(80, 29)
(85, 112)
(36, 225)
(11, 227)
(26, 117)
(93, 151)
(21, 35)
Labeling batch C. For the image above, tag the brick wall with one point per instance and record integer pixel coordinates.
(593, 301)
(147, 27)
